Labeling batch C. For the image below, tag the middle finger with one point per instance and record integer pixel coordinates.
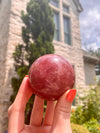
(37, 112)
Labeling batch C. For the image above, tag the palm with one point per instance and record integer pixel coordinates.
(57, 118)
(34, 129)
(37, 113)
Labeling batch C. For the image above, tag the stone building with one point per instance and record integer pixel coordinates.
(67, 43)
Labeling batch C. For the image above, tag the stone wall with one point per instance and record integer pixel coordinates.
(4, 29)
(72, 52)
(10, 36)
(15, 24)
(90, 74)
(4, 35)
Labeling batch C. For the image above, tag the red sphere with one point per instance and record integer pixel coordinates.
(50, 76)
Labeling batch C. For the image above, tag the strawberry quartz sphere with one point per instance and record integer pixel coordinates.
(50, 76)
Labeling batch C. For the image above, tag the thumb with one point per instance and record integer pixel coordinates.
(63, 107)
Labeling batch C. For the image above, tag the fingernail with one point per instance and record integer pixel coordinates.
(71, 95)
(26, 76)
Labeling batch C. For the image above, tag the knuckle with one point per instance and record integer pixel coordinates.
(13, 109)
(9, 110)
(63, 110)
(17, 108)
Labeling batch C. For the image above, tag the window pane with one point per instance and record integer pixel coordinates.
(55, 3)
(67, 38)
(56, 21)
(66, 24)
(65, 8)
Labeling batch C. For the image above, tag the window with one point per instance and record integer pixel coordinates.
(56, 21)
(65, 8)
(61, 14)
(73, 102)
(55, 3)
(67, 35)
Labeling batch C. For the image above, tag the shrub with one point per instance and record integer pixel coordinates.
(89, 109)
(91, 105)
(77, 116)
(92, 126)
(78, 129)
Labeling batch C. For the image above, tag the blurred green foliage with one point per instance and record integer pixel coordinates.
(88, 114)
(78, 129)
(92, 125)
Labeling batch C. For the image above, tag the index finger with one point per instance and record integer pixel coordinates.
(16, 112)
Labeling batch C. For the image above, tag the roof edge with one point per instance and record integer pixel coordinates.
(79, 6)
(90, 58)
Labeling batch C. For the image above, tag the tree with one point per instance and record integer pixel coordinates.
(37, 35)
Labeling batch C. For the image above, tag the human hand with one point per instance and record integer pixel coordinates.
(57, 117)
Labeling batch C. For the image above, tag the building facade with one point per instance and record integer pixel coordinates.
(67, 43)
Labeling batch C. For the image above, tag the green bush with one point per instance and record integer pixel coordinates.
(92, 126)
(78, 129)
(77, 116)
(91, 104)
(89, 109)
